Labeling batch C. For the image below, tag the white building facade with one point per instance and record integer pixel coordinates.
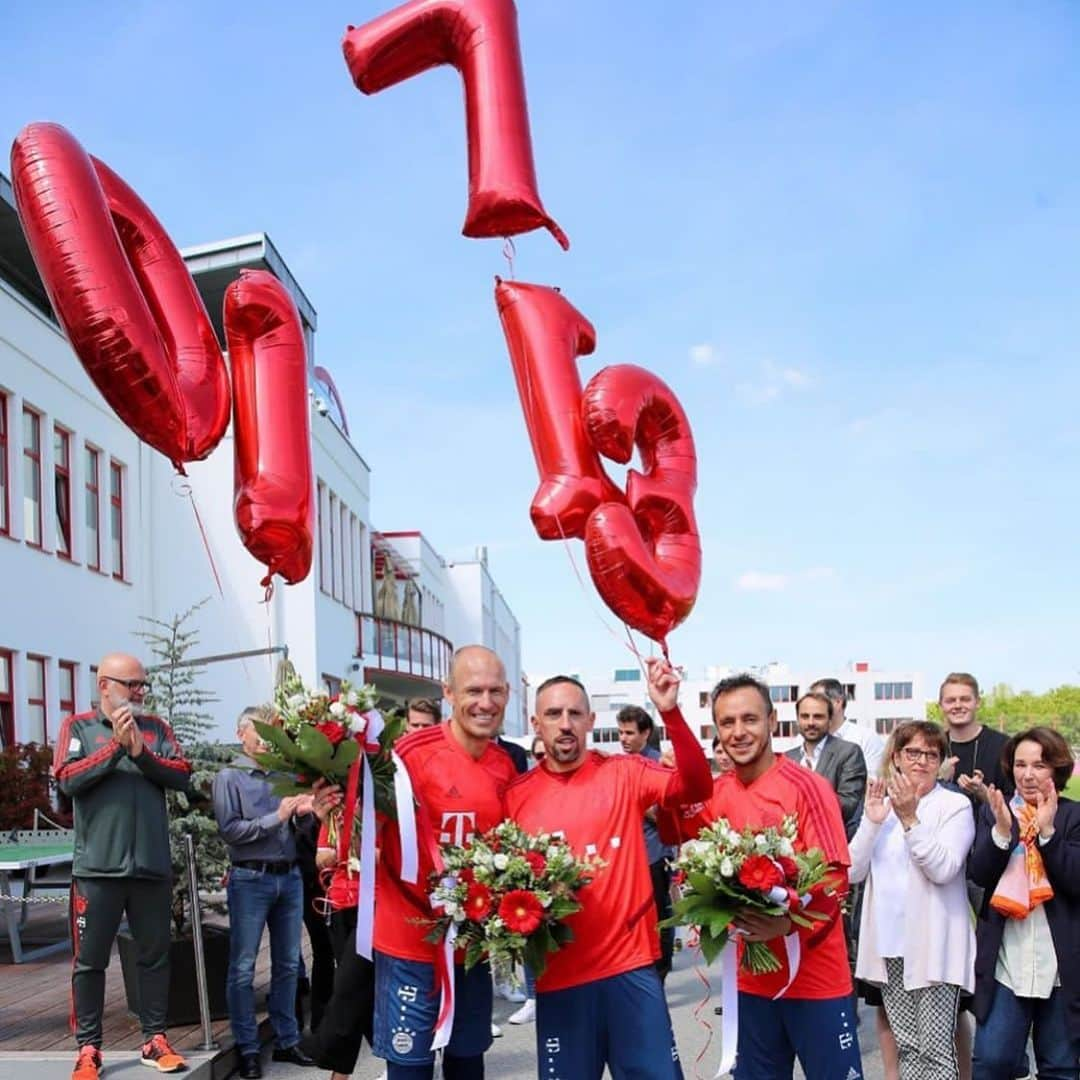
(877, 700)
(98, 534)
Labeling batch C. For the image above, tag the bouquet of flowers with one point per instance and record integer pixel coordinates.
(723, 871)
(506, 893)
(322, 736)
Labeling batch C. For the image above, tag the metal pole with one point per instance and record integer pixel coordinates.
(219, 657)
(197, 942)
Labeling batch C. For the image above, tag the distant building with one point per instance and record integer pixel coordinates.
(96, 532)
(878, 700)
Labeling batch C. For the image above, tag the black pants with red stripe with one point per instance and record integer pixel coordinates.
(97, 905)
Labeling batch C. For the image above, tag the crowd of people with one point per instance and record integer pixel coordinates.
(953, 884)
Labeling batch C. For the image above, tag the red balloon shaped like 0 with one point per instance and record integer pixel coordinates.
(122, 293)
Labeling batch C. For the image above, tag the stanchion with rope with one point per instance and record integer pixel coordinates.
(208, 1042)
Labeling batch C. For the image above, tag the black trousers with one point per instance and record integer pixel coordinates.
(349, 1014)
(97, 905)
(322, 953)
(661, 883)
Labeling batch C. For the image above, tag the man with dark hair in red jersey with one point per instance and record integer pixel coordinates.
(600, 1001)
(459, 776)
(781, 1017)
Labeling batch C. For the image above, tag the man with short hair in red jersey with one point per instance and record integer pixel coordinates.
(459, 776)
(600, 1001)
(813, 1018)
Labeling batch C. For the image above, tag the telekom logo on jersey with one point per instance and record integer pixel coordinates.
(458, 827)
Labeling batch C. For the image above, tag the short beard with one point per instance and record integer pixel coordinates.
(564, 757)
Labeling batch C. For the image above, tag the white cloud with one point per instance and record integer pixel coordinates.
(773, 380)
(703, 354)
(756, 581)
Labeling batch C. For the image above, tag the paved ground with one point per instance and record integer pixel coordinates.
(514, 1055)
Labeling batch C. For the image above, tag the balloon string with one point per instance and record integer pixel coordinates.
(268, 595)
(585, 591)
(184, 488)
(699, 1008)
(509, 252)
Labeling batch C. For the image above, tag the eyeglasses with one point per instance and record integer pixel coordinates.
(912, 755)
(539, 755)
(133, 685)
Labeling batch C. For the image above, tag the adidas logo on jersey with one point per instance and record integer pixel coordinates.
(453, 793)
(852, 1074)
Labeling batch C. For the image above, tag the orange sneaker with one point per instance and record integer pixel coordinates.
(87, 1064)
(160, 1055)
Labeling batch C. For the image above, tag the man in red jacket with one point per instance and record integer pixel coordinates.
(600, 1001)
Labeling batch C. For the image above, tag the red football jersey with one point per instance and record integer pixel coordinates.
(457, 796)
(598, 808)
(683, 823)
(787, 788)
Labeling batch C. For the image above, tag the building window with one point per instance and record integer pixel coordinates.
(37, 722)
(116, 517)
(703, 699)
(886, 725)
(7, 703)
(95, 694)
(849, 690)
(631, 674)
(5, 512)
(32, 525)
(787, 729)
(892, 691)
(783, 693)
(707, 731)
(93, 508)
(332, 684)
(335, 544)
(345, 556)
(66, 672)
(62, 484)
(325, 575)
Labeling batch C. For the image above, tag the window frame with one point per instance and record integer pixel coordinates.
(62, 479)
(116, 503)
(5, 457)
(34, 456)
(43, 701)
(7, 697)
(68, 706)
(92, 489)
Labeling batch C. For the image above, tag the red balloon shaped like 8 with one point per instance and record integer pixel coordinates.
(274, 503)
(122, 293)
(480, 39)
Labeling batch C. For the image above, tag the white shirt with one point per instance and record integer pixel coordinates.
(1027, 961)
(811, 757)
(889, 864)
(871, 744)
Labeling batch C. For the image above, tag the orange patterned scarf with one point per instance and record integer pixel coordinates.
(1024, 884)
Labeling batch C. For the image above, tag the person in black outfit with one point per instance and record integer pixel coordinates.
(321, 984)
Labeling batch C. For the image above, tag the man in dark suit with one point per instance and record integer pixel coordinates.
(841, 763)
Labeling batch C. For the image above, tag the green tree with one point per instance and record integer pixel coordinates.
(177, 697)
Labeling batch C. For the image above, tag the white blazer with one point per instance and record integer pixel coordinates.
(939, 937)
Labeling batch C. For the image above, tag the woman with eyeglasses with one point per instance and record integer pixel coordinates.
(915, 936)
(1027, 857)
(538, 751)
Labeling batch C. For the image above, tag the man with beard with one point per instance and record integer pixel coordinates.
(459, 776)
(840, 763)
(600, 1001)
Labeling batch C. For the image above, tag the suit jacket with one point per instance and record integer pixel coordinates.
(1061, 857)
(843, 765)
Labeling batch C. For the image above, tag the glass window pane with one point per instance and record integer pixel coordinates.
(60, 448)
(91, 466)
(114, 481)
(117, 548)
(32, 501)
(35, 678)
(4, 525)
(31, 431)
(5, 675)
(36, 717)
(67, 683)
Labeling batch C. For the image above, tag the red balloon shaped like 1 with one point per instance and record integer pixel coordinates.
(643, 548)
(122, 293)
(480, 39)
(274, 503)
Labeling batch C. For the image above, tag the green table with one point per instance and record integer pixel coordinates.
(29, 852)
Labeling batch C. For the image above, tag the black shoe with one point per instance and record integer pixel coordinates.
(718, 1010)
(294, 1056)
(250, 1067)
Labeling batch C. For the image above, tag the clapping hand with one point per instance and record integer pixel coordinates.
(663, 683)
(948, 769)
(875, 807)
(1000, 809)
(1045, 810)
(974, 785)
(904, 798)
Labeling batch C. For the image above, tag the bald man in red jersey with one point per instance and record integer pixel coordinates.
(600, 1001)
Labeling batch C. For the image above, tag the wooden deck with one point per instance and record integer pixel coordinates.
(35, 1000)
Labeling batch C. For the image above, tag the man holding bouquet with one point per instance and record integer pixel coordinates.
(459, 776)
(600, 1001)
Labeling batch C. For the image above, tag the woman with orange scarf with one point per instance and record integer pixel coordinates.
(1027, 857)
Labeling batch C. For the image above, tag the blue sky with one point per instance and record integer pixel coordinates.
(844, 233)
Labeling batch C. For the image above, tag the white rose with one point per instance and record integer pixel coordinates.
(727, 868)
(552, 851)
(785, 847)
(458, 916)
(451, 908)
(352, 698)
(761, 842)
(297, 701)
(501, 861)
(337, 709)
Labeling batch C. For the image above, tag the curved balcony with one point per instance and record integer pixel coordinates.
(391, 647)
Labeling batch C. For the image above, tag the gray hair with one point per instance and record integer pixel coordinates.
(251, 713)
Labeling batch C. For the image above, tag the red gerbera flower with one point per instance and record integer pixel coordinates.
(521, 911)
(761, 873)
(478, 902)
(334, 731)
(537, 863)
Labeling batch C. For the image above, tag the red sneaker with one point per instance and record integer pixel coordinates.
(87, 1064)
(160, 1055)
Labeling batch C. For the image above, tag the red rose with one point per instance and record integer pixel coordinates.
(537, 863)
(790, 868)
(467, 876)
(521, 911)
(761, 873)
(334, 731)
(478, 902)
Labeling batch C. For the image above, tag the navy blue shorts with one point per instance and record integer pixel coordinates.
(407, 1009)
(819, 1032)
(621, 1022)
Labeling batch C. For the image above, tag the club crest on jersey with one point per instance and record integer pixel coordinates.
(402, 1042)
(458, 827)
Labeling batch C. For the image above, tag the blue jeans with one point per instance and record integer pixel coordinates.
(275, 901)
(1006, 1027)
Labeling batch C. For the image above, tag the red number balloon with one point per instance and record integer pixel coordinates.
(274, 502)
(546, 334)
(123, 295)
(480, 39)
(643, 548)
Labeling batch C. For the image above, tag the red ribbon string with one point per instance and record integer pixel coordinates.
(699, 1008)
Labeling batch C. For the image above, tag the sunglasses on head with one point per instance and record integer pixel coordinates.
(131, 684)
